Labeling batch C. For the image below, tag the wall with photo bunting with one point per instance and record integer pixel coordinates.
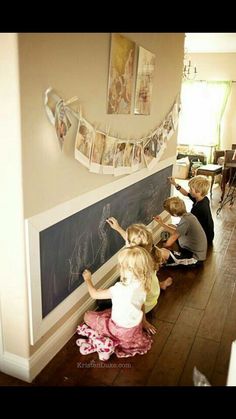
(78, 64)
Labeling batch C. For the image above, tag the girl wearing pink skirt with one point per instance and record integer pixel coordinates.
(119, 330)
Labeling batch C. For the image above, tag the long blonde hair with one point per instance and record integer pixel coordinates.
(138, 261)
(140, 235)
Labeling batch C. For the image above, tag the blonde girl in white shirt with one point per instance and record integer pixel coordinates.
(120, 328)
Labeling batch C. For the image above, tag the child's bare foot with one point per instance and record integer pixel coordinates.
(167, 283)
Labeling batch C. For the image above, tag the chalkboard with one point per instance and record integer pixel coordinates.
(85, 240)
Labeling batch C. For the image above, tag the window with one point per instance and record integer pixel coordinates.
(203, 105)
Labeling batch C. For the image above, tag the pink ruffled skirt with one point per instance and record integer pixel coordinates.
(106, 337)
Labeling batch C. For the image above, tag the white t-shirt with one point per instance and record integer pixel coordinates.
(127, 302)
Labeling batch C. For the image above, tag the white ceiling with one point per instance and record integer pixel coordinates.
(210, 42)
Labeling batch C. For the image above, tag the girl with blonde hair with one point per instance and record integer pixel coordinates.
(140, 235)
(119, 330)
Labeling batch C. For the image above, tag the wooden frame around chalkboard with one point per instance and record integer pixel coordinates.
(39, 323)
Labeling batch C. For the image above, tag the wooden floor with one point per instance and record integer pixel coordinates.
(195, 320)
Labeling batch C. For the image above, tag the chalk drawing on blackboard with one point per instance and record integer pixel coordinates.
(79, 258)
(84, 240)
(102, 232)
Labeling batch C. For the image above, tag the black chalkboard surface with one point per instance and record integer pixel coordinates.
(85, 240)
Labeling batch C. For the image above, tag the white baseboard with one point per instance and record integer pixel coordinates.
(15, 365)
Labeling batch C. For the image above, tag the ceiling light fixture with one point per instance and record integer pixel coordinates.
(189, 70)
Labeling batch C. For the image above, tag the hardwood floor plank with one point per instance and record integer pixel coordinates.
(170, 364)
(218, 380)
(143, 365)
(62, 369)
(8, 381)
(173, 299)
(200, 292)
(214, 318)
(223, 233)
(202, 356)
(228, 336)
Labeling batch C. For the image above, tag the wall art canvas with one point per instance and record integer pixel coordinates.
(144, 82)
(121, 73)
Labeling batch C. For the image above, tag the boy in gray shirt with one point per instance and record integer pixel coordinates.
(189, 235)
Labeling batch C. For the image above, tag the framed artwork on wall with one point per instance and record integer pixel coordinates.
(144, 82)
(121, 73)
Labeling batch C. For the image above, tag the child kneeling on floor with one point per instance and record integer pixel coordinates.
(188, 234)
(119, 329)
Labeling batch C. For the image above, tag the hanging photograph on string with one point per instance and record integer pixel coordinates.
(128, 157)
(98, 146)
(162, 140)
(62, 122)
(108, 155)
(119, 158)
(168, 126)
(59, 113)
(83, 142)
(137, 160)
(149, 151)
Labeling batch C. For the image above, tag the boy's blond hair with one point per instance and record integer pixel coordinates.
(200, 183)
(138, 261)
(175, 206)
(140, 235)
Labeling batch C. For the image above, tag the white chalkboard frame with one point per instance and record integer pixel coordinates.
(34, 225)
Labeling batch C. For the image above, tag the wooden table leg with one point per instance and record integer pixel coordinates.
(223, 182)
(212, 183)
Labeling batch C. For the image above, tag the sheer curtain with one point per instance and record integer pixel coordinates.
(202, 107)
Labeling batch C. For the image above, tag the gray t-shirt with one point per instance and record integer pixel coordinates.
(192, 236)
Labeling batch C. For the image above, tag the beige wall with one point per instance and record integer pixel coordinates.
(13, 296)
(77, 64)
(73, 64)
(221, 66)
